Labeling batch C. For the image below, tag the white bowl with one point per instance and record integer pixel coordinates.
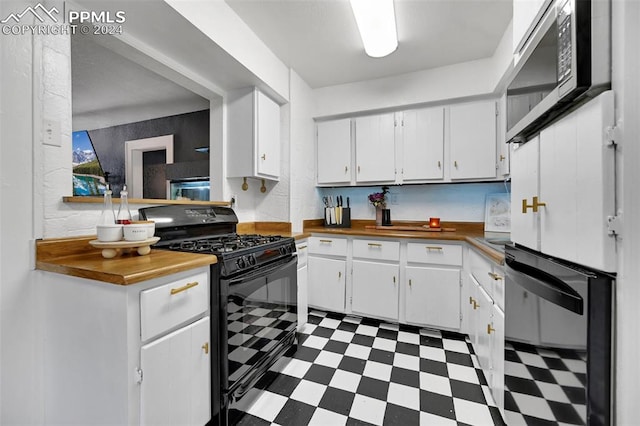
(108, 233)
(135, 232)
(148, 224)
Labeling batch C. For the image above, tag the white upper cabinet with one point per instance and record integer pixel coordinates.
(375, 148)
(524, 185)
(334, 151)
(472, 140)
(253, 148)
(422, 144)
(526, 14)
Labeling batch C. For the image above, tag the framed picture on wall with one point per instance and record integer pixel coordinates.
(88, 176)
(497, 217)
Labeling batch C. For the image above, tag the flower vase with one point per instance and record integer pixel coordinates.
(378, 215)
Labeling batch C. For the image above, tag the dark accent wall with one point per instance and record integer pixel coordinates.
(190, 131)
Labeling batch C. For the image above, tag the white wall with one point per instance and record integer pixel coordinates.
(480, 78)
(20, 307)
(305, 198)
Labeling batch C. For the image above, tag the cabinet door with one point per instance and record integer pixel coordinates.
(467, 296)
(175, 388)
(472, 140)
(327, 283)
(483, 312)
(497, 357)
(375, 289)
(524, 186)
(334, 151)
(423, 144)
(433, 297)
(375, 148)
(268, 137)
(303, 295)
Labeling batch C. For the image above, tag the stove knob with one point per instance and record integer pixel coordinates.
(252, 260)
(241, 263)
(283, 250)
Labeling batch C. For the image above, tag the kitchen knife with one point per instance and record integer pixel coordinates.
(339, 210)
(348, 206)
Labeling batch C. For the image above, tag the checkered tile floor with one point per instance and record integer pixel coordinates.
(544, 386)
(353, 371)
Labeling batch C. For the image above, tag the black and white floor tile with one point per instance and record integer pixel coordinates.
(544, 386)
(354, 371)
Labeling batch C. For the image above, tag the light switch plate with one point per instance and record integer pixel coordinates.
(51, 133)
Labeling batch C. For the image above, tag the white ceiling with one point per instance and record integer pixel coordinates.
(320, 40)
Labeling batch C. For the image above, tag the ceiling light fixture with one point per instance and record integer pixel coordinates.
(376, 21)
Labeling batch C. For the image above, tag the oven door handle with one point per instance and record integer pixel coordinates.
(544, 285)
(263, 272)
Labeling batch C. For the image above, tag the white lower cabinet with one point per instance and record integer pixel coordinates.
(175, 385)
(127, 355)
(303, 283)
(327, 278)
(482, 302)
(375, 289)
(433, 297)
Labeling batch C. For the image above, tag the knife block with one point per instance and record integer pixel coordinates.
(346, 218)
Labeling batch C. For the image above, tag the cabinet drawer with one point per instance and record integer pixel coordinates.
(171, 304)
(376, 249)
(328, 245)
(302, 250)
(435, 253)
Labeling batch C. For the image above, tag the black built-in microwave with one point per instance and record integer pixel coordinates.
(565, 61)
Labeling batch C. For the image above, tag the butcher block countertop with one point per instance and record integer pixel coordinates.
(469, 232)
(76, 257)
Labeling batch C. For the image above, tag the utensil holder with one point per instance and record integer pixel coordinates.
(346, 218)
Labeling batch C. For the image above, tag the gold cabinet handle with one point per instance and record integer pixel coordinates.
(205, 348)
(264, 156)
(495, 276)
(374, 245)
(339, 274)
(534, 206)
(185, 287)
(302, 247)
(409, 282)
(439, 164)
(490, 329)
(394, 279)
(433, 248)
(476, 305)
(537, 204)
(471, 300)
(326, 241)
(358, 169)
(502, 157)
(346, 169)
(455, 164)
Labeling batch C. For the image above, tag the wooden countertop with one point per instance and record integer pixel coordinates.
(76, 257)
(464, 231)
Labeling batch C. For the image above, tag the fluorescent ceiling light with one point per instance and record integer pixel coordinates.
(376, 21)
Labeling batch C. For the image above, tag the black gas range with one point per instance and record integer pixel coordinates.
(253, 293)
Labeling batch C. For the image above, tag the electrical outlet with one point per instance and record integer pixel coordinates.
(393, 198)
(234, 200)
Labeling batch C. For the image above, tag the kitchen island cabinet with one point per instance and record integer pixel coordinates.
(127, 355)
